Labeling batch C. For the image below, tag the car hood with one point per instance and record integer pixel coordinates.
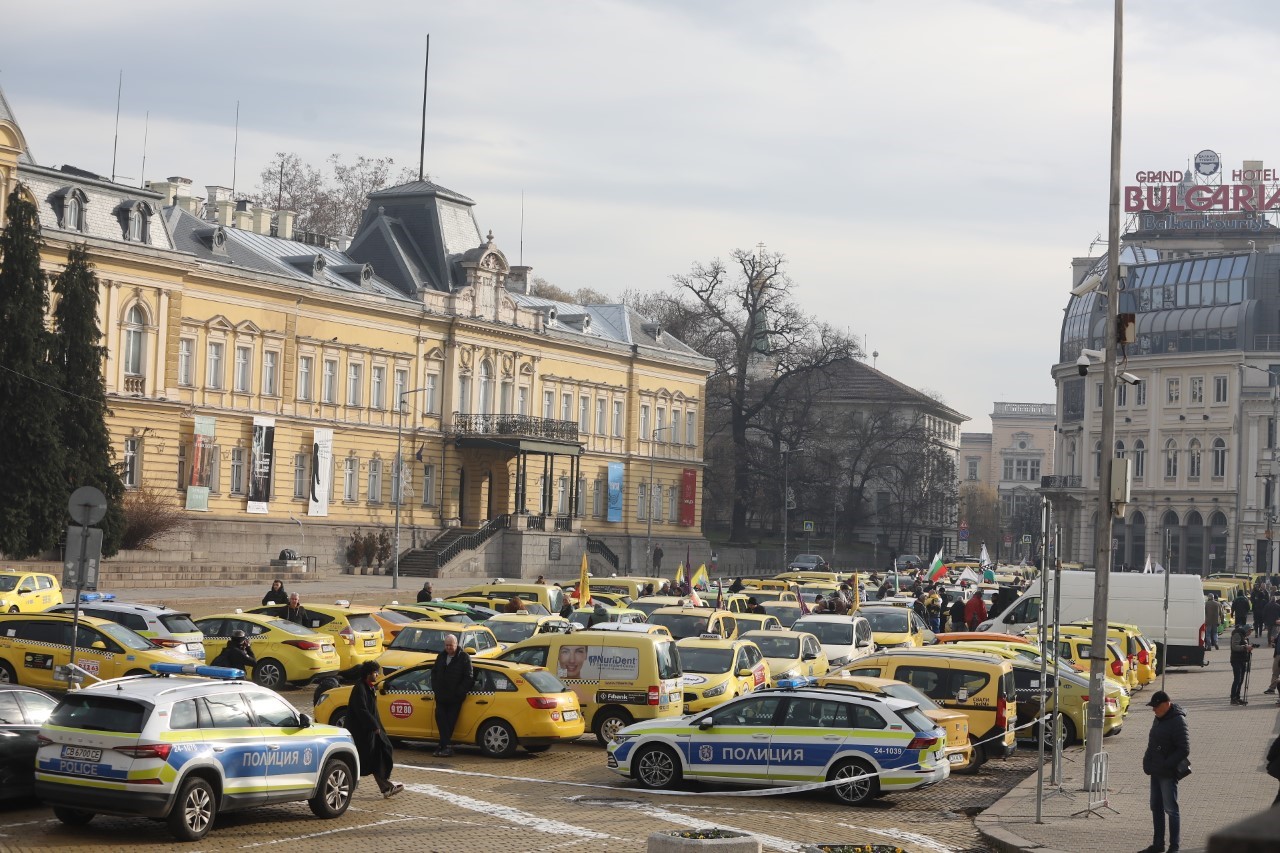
(656, 724)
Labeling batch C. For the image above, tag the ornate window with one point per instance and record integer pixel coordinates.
(1219, 458)
(134, 341)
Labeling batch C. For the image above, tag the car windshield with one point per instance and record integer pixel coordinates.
(395, 617)
(786, 612)
(511, 632)
(288, 627)
(711, 661)
(178, 623)
(764, 596)
(419, 640)
(8, 583)
(828, 633)
(887, 620)
(906, 691)
(778, 647)
(125, 637)
(544, 682)
(99, 714)
(668, 660)
(681, 625)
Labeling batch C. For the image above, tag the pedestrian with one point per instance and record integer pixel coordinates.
(1273, 766)
(1241, 649)
(1270, 616)
(296, 613)
(819, 606)
(541, 580)
(657, 559)
(648, 590)
(236, 654)
(598, 616)
(1259, 601)
(754, 606)
(1275, 664)
(933, 607)
(372, 744)
(1166, 761)
(975, 611)
(566, 610)
(1212, 616)
(275, 595)
(957, 613)
(736, 586)
(425, 594)
(1240, 608)
(665, 589)
(451, 680)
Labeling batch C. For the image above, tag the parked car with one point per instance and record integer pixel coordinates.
(807, 563)
(23, 711)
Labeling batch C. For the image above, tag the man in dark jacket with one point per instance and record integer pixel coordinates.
(1168, 746)
(451, 681)
(1241, 649)
(425, 594)
(957, 615)
(297, 614)
(372, 744)
(236, 654)
(1240, 608)
(1212, 618)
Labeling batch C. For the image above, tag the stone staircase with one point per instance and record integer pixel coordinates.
(424, 562)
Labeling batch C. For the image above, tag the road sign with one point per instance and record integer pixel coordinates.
(964, 534)
(1248, 559)
(1008, 539)
(87, 506)
(83, 554)
(808, 527)
(1026, 539)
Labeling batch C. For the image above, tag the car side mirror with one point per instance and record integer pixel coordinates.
(26, 590)
(744, 672)
(304, 721)
(862, 644)
(99, 645)
(706, 723)
(471, 650)
(809, 656)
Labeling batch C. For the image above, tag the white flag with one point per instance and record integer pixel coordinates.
(970, 575)
(1146, 569)
(985, 558)
(1159, 569)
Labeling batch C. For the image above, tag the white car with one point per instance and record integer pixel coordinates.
(843, 638)
(183, 748)
(164, 626)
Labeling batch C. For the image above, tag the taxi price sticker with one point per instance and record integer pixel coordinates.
(401, 709)
(89, 666)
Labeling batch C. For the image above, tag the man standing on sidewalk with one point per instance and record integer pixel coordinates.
(1212, 618)
(1275, 664)
(1166, 761)
(1241, 648)
(451, 678)
(1240, 608)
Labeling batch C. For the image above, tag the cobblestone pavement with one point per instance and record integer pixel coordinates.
(1227, 784)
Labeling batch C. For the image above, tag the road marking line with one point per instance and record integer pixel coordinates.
(689, 822)
(326, 832)
(525, 819)
(902, 835)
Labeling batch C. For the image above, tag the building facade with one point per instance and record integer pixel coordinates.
(1009, 461)
(284, 392)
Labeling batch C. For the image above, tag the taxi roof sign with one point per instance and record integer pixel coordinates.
(228, 672)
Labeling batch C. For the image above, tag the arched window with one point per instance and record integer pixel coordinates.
(1219, 458)
(1217, 542)
(1119, 449)
(1170, 459)
(73, 218)
(1137, 539)
(136, 225)
(1193, 459)
(1171, 534)
(486, 388)
(134, 342)
(1071, 458)
(1195, 542)
(1139, 459)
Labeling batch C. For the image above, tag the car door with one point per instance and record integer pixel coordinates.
(215, 636)
(238, 745)
(17, 745)
(407, 704)
(809, 735)
(736, 743)
(42, 645)
(923, 636)
(814, 658)
(292, 760)
(479, 705)
(47, 591)
(99, 655)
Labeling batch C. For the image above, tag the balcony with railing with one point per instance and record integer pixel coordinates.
(515, 426)
(135, 385)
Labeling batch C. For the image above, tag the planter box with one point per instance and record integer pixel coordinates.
(671, 842)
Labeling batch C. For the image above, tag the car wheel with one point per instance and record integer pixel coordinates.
(656, 767)
(194, 810)
(336, 787)
(543, 748)
(13, 608)
(7, 675)
(339, 718)
(857, 782)
(269, 673)
(497, 739)
(608, 723)
(72, 817)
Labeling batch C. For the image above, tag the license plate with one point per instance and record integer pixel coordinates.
(326, 648)
(194, 648)
(570, 715)
(368, 644)
(957, 758)
(82, 753)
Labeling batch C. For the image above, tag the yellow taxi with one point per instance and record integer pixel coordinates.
(357, 636)
(286, 653)
(765, 583)
(34, 645)
(790, 654)
(757, 622)
(764, 596)
(1128, 669)
(611, 599)
(28, 592)
(786, 612)
(584, 616)
(807, 577)
(509, 628)
(1141, 651)
(419, 641)
(496, 603)
(897, 627)
(1075, 648)
(695, 621)
(434, 611)
(959, 751)
(717, 670)
(510, 705)
(650, 603)
(496, 595)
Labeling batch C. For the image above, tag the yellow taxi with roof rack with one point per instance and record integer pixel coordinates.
(695, 621)
(717, 670)
(33, 647)
(420, 641)
(357, 636)
(285, 652)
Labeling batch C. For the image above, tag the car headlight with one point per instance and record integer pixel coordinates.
(619, 738)
(791, 673)
(321, 699)
(716, 691)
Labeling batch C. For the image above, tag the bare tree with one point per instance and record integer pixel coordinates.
(330, 200)
(980, 509)
(582, 296)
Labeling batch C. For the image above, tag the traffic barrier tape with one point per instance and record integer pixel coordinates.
(760, 792)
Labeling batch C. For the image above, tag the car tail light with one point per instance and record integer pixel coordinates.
(306, 645)
(1112, 704)
(347, 634)
(168, 644)
(43, 741)
(655, 695)
(1117, 668)
(1002, 712)
(1201, 635)
(922, 743)
(1143, 657)
(149, 750)
(544, 703)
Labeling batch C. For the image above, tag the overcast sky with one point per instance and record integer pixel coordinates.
(928, 168)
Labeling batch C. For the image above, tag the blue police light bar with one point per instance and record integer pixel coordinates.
(785, 684)
(229, 672)
(97, 596)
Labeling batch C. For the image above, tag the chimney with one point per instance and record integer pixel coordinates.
(190, 204)
(519, 279)
(284, 223)
(261, 220)
(225, 207)
(242, 219)
(168, 192)
(217, 193)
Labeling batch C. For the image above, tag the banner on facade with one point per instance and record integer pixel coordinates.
(615, 492)
(688, 496)
(261, 458)
(202, 462)
(321, 469)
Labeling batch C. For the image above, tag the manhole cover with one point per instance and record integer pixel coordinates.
(604, 801)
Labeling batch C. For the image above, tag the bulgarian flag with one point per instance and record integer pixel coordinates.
(936, 569)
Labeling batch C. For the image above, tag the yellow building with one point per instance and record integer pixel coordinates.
(253, 374)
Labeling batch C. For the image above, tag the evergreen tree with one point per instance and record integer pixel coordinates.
(33, 494)
(78, 356)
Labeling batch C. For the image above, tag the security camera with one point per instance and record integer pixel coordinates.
(1087, 285)
(1130, 378)
(1082, 365)
(1088, 357)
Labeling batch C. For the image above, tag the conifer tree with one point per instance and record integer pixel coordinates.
(78, 356)
(33, 506)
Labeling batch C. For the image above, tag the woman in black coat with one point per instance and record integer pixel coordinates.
(372, 743)
(276, 595)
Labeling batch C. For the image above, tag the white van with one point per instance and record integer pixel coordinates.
(1136, 599)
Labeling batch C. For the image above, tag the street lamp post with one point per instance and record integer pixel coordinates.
(395, 565)
(648, 514)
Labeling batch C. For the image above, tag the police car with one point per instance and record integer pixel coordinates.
(793, 735)
(184, 748)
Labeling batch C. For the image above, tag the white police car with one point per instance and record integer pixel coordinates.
(186, 748)
(793, 735)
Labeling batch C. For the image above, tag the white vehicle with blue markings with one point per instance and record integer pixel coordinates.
(184, 745)
(859, 746)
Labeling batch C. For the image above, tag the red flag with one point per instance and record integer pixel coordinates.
(804, 608)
